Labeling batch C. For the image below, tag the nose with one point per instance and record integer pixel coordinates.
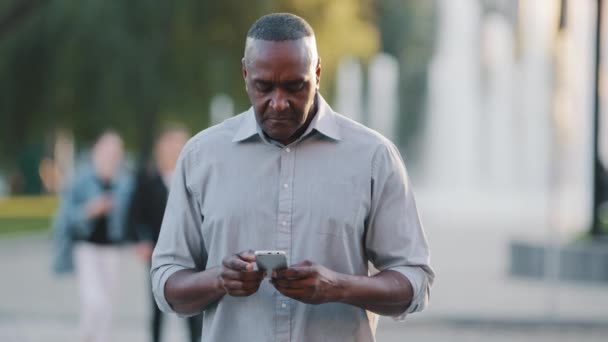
(278, 101)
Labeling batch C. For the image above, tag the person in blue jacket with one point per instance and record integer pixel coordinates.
(89, 226)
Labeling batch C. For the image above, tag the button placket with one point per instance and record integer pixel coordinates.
(284, 235)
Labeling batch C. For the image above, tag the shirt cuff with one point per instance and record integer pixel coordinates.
(419, 280)
(159, 279)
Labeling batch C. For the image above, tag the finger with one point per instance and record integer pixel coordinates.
(303, 263)
(231, 274)
(291, 284)
(295, 272)
(233, 285)
(244, 276)
(242, 293)
(252, 275)
(248, 255)
(282, 273)
(236, 263)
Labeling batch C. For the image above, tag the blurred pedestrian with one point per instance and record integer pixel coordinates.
(147, 208)
(88, 228)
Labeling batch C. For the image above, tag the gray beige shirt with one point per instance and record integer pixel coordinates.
(338, 196)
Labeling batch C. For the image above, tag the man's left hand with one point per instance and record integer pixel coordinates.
(308, 282)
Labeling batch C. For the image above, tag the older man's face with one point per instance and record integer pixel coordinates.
(281, 80)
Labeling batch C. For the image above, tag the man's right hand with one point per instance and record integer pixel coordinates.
(238, 277)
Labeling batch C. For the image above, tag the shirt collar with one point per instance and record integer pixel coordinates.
(324, 122)
(247, 127)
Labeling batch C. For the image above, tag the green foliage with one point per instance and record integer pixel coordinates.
(87, 65)
(91, 64)
(342, 27)
(407, 32)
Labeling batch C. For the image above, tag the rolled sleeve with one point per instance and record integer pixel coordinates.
(421, 279)
(180, 244)
(395, 238)
(159, 279)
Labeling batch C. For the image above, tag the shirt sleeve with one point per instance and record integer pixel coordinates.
(63, 261)
(78, 223)
(180, 244)
(395, 239)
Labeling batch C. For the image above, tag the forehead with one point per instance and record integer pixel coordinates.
(108, 143)
(291, 57)
(173, 137)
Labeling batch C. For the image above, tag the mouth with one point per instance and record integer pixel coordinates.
(280, 120)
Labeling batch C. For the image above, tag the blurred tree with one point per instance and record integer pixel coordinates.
(90, 64)
(342, 27)
(407, 31)
(16, 12)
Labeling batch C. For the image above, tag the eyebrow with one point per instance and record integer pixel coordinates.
(284, 83)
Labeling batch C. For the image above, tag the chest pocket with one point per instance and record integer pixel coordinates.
(336, 208)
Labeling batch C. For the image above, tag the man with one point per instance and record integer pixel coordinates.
(146, 215)
(290, 174)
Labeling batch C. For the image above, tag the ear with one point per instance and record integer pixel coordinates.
(244, 68)
(318, 72)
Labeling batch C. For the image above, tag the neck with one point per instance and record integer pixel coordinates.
(311, 115)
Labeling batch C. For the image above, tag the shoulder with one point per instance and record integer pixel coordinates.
(356, 133)
(375, 148)
(83, 176)
(214, 137)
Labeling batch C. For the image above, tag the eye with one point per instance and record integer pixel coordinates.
(294, 87)
(263, 87)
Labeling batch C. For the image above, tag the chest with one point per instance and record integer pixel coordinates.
(305, 193)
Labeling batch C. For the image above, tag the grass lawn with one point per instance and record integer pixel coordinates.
(18, 225)
(26, 214)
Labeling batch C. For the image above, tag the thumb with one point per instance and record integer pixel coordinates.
(304, 263)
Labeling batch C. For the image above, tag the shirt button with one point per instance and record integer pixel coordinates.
(284, 223)
(285, 185)
(287, 149)
(283, 305)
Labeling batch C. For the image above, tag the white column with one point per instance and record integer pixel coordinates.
(221, 108)
(498, 101)
(538, 27)
(604, 86)
(452, 132)
(349, 89)
(384, 95)
(578, 149)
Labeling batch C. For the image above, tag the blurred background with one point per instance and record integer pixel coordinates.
(500, 108)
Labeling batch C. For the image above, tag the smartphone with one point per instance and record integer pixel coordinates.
(270, 260)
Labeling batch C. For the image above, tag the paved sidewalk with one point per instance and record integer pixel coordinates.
(473, 299)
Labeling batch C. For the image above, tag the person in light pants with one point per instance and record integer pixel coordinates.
(97, 272)
(89, 227)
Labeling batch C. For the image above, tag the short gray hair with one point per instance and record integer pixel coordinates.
(280, 27)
